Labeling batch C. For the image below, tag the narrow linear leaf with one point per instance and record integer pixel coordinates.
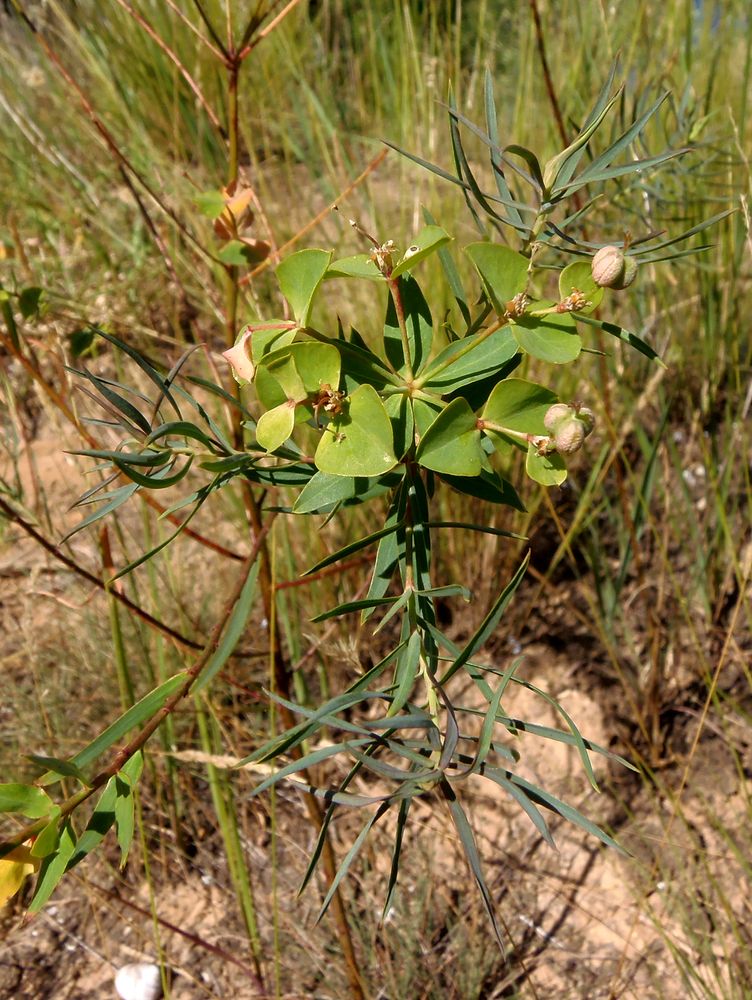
(348, 550)
(489, 623)
(119, 402)
(405, 673)
(495, 152)
(471, 853)
(53, 868)
(299, 278)
(233, 630)
(100, 823)
(352, 606)
(309, 760)
(148, 369)
(544, 798)
(523, 801)
(135, 716)
(63, 768)
(621, 334)
(350, 857)
(402, 815)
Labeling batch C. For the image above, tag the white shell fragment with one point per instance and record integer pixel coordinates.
(139, 981)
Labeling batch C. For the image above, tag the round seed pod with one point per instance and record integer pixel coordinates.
(556, 414)
(611, 268)
(586, 416)
(139, 981)
(630, 272)
(569, 436)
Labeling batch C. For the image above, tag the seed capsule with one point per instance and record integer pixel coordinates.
(555, 414)
(611, 268)
(569, 437)
(569, 426)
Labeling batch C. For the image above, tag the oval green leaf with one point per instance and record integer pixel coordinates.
(317, 365)
(519, 405)
(502, 271)
(428, 240)
(470, 360)
(552, 337)
(28, 800)
(299, 277)
(548, 470)
(362, 265)
(324, 491)
(452, 442)
(275, 426)
(359, 441)
(578, 277)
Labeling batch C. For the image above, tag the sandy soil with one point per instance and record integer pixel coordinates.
(584, 922)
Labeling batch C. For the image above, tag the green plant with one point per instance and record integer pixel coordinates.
(345, 423)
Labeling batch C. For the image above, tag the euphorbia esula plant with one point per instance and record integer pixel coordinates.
(391, 423)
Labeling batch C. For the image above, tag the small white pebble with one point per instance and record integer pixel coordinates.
(689, 477)
(139, 981)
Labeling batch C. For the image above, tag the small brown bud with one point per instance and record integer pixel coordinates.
(382, 257)
(575, 302)
(516, 306)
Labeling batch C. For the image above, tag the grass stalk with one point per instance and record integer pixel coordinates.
(228, 821)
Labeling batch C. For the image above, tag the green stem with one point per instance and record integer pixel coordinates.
(233, 165)
(476, 340)
(394, 289)
(224, 808)
(491, 425)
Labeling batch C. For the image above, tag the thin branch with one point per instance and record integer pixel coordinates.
(106, 135)
(196, 939)
(92, 578)
(173, 57)
(252, 23)
(539, 38)
(246, 49)
(155, 234)
(192, 27)
(329, 571)
(210, 28)
(122, 756)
